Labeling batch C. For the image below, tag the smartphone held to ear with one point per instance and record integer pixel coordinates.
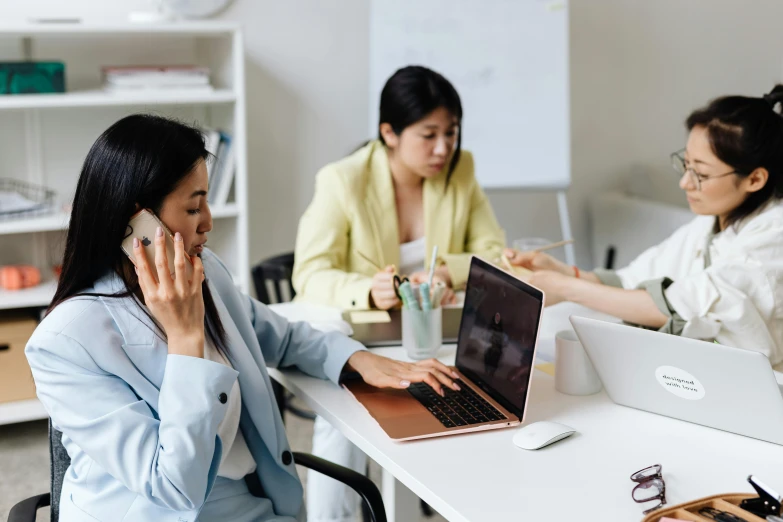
(143, 225)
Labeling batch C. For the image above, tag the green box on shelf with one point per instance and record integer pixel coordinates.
(32, 77)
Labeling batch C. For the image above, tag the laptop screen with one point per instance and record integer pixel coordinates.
(497, 337)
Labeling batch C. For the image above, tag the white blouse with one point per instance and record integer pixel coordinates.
(729, 289)
(236, 461)
(412, 255)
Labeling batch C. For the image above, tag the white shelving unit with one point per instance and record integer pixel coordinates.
(110, 99)
(22, 411)
(44, 138)
(59, 221)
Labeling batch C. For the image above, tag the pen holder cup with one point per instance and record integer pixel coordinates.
(422, 333)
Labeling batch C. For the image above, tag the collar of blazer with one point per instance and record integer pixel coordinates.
(439, 208)
(138, 329)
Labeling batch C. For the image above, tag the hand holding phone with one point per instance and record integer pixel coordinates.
(175, 300)
(143, 225)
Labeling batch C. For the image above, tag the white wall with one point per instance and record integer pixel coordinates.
(637, 69)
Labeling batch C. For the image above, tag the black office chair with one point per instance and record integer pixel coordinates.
(26, 510)
(272, 281)
(609, 261)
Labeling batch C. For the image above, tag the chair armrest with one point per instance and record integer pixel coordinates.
(356, 481)
(25, 511)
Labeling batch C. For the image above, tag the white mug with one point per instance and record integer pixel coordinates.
(574, 373)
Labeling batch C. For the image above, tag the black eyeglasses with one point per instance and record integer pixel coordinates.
(720, 516)
(681, 167)
(650, 487)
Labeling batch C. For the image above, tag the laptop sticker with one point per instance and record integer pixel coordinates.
(680, 383)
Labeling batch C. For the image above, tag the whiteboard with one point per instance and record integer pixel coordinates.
(508, 59)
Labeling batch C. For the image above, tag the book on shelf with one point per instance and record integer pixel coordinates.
(132, 78)
(211, 143)
(222, 175)
(111, 89)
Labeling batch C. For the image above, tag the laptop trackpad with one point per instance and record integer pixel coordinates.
(396, 411)
(385, 403)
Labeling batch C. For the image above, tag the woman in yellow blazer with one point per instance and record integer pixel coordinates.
(386, 206)
(391, 201)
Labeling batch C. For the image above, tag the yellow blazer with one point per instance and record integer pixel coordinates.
(353, 210)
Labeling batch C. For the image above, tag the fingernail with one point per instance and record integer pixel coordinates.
(442, 393)
(405, 384)
(135, 242)
(177, 236)
(456, 387)
(159, 232)
(455, 375)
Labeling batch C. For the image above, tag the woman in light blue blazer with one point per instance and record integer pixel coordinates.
(159, 384)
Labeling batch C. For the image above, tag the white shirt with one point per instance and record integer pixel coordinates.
(737, 299)
(412, 256)
(236, 460)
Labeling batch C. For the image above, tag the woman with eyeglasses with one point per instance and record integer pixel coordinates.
(720, 277)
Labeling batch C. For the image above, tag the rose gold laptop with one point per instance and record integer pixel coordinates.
(495, 353)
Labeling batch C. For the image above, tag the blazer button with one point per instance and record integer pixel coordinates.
(287, 457)
(353, 303)
(223, 398)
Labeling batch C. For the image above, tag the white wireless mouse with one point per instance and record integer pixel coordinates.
(539, 434)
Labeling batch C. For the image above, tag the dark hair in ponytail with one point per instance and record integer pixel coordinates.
(140, 159)
(411, 94)
(746, 134)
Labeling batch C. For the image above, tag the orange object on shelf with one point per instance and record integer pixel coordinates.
(16, 277)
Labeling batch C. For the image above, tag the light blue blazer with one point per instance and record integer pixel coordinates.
(140, 425)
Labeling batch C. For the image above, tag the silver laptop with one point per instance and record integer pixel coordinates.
(727, 388)
(495, 354)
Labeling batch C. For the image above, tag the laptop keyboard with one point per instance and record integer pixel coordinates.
(457, 408)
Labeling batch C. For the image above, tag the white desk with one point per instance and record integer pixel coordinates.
(484, 477)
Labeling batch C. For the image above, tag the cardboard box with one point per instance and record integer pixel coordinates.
(16, 380)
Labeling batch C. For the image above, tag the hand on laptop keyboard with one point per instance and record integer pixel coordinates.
(383, 372)
(457, 408)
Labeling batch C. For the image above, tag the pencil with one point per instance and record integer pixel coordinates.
(553, 245)
(379, 269)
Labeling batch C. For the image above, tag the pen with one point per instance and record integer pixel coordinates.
(406, 291)
(437, 293)
(424, 291)
(432, 265)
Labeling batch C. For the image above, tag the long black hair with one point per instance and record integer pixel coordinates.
(746, 134)
(411, 94)
(139, 160)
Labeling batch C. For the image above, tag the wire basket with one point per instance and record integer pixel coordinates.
(20, 199)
